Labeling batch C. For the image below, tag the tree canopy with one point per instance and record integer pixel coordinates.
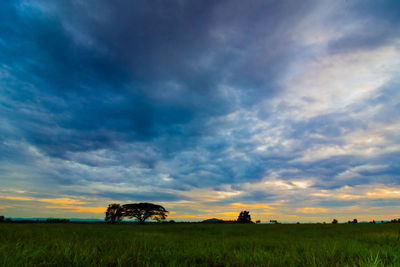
(114, 213)
(139, 211)
(144, 211)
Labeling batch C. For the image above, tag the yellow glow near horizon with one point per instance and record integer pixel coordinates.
(79, 209)
(312, 210)
(61, 201)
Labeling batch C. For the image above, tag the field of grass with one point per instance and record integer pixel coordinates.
(199, 244)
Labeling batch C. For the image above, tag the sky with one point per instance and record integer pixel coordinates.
(288, 109)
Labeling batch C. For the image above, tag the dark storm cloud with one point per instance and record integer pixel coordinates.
(139, 79)
(97, 73)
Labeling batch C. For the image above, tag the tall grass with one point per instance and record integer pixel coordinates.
(199, 244)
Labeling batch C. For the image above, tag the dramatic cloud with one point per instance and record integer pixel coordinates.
(289, 109)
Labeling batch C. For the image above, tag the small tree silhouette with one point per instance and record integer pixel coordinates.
(334, 221)
(244, 217)
(1, 218)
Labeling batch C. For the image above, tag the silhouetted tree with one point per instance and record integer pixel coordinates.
(355, 221)
(144, 211)
(244, 217)
(258, 221)
(114, 213)
(334, 221)
(1, 218)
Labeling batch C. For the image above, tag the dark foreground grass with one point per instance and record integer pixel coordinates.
(199, 244)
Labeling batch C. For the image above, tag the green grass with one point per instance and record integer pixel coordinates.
(199, 244)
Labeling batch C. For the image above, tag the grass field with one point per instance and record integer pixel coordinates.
(199, 244)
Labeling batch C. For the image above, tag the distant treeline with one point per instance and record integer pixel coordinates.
(212, 221)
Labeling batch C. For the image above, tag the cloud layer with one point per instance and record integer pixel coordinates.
(289, 109)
